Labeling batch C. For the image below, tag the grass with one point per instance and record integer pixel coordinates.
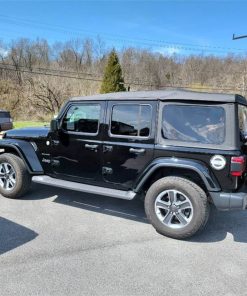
(20, 124)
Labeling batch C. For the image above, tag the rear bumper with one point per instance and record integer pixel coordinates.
(226, 201)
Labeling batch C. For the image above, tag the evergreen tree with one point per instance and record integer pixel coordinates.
(113, 80)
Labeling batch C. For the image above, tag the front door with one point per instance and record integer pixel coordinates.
(76, 147)
(129, 141)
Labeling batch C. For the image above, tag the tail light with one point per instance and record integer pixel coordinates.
(238, 164)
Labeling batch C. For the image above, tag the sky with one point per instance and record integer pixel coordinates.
(168, 27)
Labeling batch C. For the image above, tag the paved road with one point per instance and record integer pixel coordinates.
(58, 242)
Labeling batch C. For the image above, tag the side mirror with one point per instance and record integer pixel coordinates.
(54, 125)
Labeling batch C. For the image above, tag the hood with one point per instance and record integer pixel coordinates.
(28, 133)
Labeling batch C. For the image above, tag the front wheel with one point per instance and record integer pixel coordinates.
(14, 177)
(176, 207)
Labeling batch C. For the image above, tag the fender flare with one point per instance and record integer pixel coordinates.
(26, 151)
(200, 168)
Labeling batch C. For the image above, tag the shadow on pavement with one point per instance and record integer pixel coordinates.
(219, 223)
(13, 235)
(222, 223)
(132, 210)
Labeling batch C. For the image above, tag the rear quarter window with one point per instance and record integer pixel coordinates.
(242, 118)
(190, 123)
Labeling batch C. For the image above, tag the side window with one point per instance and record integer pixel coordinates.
(242, 118)
(131, 120)
(204, 124)
(82, 118)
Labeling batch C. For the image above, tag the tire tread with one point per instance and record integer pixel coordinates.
(202, 219)
(23, 177)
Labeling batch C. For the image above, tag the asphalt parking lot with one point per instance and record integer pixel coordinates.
(58, 242)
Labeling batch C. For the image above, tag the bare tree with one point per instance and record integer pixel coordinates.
(35, 76)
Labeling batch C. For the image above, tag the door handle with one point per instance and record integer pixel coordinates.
(137, 151)
(91, 147)
(107, 148)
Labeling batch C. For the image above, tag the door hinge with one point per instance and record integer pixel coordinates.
(107, 171)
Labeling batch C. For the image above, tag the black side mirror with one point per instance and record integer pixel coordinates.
(54, 125)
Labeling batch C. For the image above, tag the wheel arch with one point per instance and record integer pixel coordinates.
(25, 151)
(189, 169)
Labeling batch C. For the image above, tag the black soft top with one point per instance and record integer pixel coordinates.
(167, 95)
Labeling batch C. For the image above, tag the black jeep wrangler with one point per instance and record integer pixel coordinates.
(181, 150)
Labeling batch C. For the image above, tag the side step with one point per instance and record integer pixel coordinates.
(129, 195)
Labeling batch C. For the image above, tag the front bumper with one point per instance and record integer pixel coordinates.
(225, 201)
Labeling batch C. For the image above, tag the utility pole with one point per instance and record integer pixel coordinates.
(234, 37)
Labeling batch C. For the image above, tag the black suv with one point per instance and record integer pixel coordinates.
(180, 150)
(6, 122)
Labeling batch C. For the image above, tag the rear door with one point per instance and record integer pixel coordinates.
(128, 144)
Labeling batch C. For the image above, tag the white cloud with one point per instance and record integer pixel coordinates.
(169, 50)
(3, 52)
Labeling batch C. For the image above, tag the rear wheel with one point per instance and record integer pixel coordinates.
(14, 177)
(176, 207)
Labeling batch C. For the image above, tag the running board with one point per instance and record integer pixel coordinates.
(129, 195)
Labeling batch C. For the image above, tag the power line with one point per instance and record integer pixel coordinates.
(212, 88)
(124, 39)
(66, 76)
(50, 69)
(48, 74)
(16, 68)
(97, 76)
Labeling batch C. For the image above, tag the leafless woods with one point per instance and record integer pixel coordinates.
(36, 77)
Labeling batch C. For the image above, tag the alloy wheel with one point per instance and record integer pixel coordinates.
(174, 209)
(7, 176)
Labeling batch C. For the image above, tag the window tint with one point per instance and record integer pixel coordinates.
(204, 124)
(131, 120)
(145, 121)
(242, 117)
(82, 118)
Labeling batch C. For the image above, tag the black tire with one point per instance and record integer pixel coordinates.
(22, 177)
(197, 198)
